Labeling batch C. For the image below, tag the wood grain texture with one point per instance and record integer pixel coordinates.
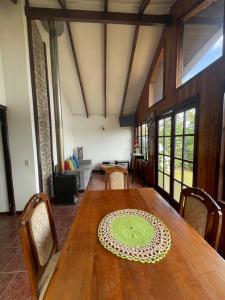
(86, 270)
(87, 16)
(206, 85)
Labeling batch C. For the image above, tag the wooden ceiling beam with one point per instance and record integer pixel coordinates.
(105, 61)
(130, 67)
(63, 6)
(70, 15)
(142, 8)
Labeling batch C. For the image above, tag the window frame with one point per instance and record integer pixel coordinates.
(137, 139)
(161, 55)
(190, 103)
(147, 144)
(180, 34)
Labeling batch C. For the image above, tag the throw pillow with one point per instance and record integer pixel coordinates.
(66, 165)
(76, 161)
(71, 165)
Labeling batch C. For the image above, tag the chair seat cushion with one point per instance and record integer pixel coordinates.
(42, 233)
(46, 276)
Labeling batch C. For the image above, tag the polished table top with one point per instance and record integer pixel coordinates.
(86, 270)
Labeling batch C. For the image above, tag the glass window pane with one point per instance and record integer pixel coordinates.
(146, 130)
(143, 141)
(176, 191)
(179, 122)
(178, 169)
(189, 148)
(160, 145)
(167, 145)
(146, 155)
(167, 183)
(190, 121)
(161, 127)
(188, 174)
(167, 165)
(160, 179)
(156, 82)
(160, 162)
(202, 41)
(139, 142)
(139, 130)
(178, 147)
(168, 126)
(143, 129)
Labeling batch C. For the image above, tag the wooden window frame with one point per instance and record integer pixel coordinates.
(147, 146)
(160, 57)
(180, 33)
(137, 139)
(188, 104)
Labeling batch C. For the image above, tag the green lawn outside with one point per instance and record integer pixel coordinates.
(188, 177)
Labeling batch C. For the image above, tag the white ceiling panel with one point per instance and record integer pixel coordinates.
(118, 57)
(129, 6)
(88, 40)
(158, 7)
(85, 4)
(147, 43)
(89, 43)
(68, 76)
(44, 3)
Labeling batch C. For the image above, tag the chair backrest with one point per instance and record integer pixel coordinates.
(38, 237)
(201, 211)
(117, 178)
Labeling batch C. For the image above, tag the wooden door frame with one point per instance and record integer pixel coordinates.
(7, 160)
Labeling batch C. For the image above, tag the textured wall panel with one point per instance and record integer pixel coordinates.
(42, 111)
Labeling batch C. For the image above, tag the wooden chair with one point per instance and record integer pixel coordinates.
(201, 211)
(117, 178)
(39, 243)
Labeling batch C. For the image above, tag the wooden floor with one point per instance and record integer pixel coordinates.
(14, 283)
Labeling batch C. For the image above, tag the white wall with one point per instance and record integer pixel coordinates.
(114, 143)
(68, 132)
(18, 99)
(2, 84)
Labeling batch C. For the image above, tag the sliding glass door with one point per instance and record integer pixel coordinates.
(176, 147)
(184, 151)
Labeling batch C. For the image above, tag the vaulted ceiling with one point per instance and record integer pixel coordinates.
(90, 44)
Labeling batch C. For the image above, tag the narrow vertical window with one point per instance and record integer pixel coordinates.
(145, 141)
(164, 153)
(184, 147)
(156, 84)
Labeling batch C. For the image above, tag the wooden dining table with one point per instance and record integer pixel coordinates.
(192, 269)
